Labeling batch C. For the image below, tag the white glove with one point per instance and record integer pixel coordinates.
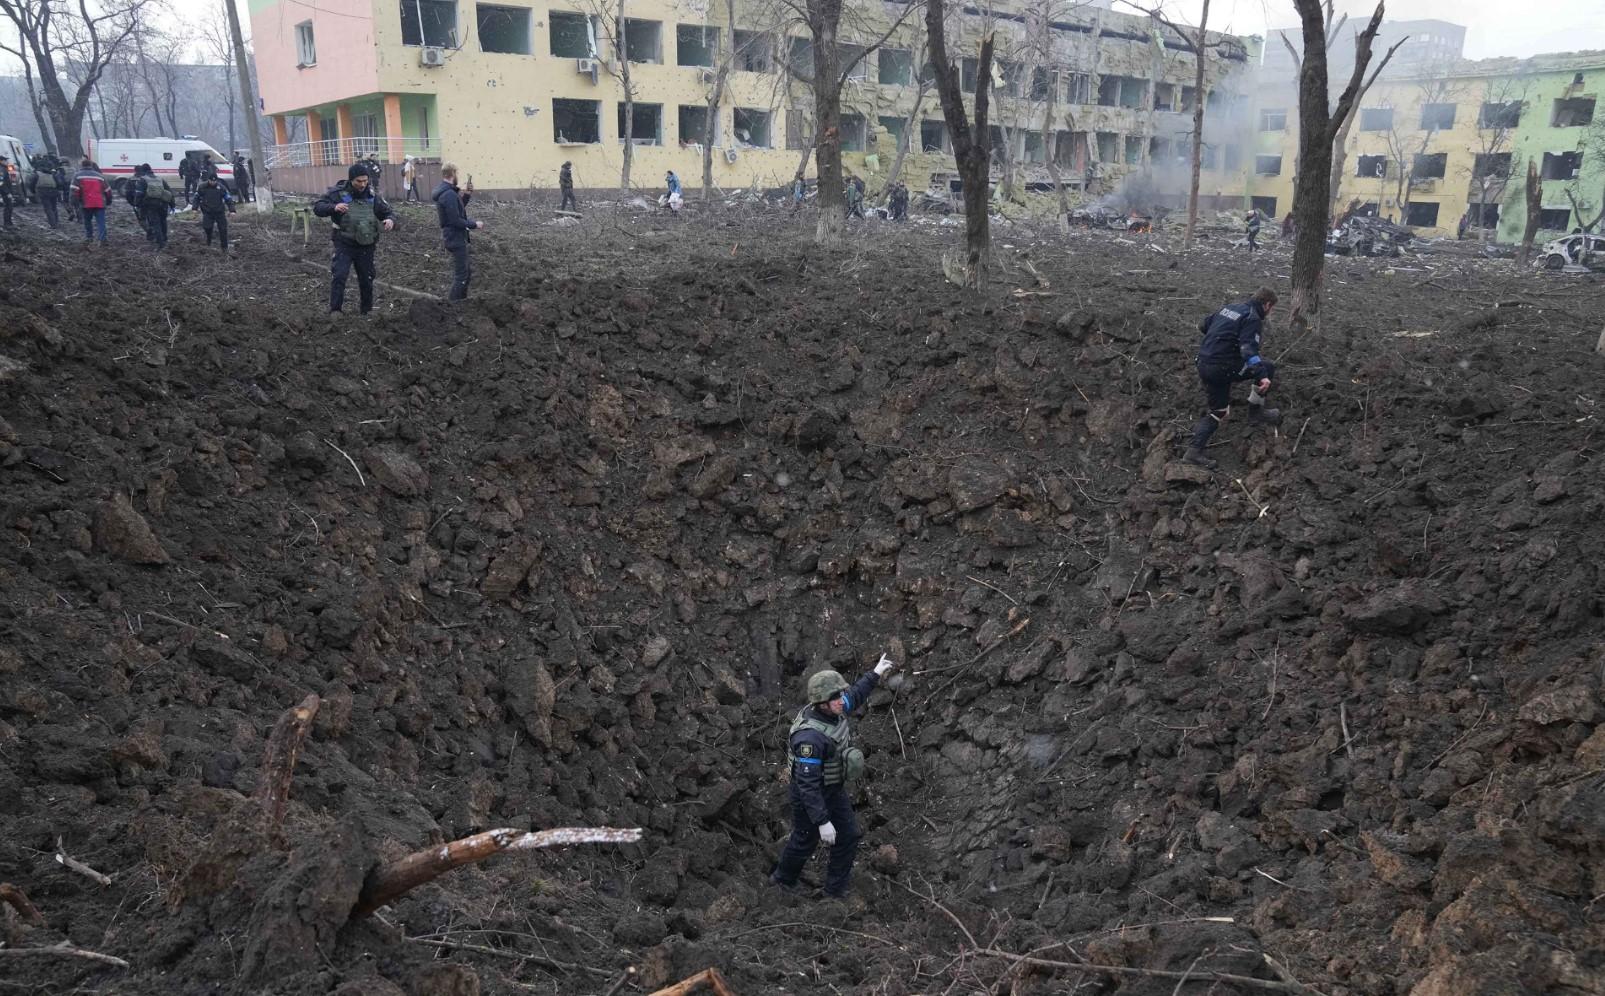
(885, 666)
(827, 833)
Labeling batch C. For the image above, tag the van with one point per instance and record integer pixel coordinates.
(117, 158)
(22, 168)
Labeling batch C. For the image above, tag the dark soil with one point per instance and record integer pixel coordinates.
(562, 555)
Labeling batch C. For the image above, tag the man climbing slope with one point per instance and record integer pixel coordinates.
(1230, 352)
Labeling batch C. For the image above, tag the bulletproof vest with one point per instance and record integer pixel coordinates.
(210, 199)
(846, 762)
(361, 225)
(156, 190)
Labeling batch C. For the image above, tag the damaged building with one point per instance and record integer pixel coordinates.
(512, 91)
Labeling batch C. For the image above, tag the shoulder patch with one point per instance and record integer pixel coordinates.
(805, 750)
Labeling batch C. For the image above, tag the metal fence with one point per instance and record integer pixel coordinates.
(347, 150)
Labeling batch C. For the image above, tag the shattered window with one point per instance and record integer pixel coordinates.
(1574, 112)
(695, 45)
(1418, 214)
(438, 19)
(968, 73)
(752, 51)
(893, 128)
(1555, 219)
(694, 124)
(576, 121)
(1500, 115)
(1375, 167)
(1562, 165)
(853, 133)
(1268, 165)
(646, 124)
(643, 40)
(1376, 118)
(1133, 150)
(1435, 117)
(1495, 164)
(503, 29)
(571, 35)
(895, 67)
(933, 136)
(1273, 119)
(751, 127)
(1429, 166)
(1080, 89)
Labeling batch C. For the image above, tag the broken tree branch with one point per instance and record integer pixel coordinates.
(62, 950)
(18, 900)
(710, 976)
(360, 479)
(278, 761)
(74, 865)
(394, 879)
(1148, 973)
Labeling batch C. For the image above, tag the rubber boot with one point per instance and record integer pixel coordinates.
(1198, 458)
(1260, 415)
(1195, 454)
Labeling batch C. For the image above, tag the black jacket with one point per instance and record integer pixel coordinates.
(1231, 336)
(211, 197)
(808, 780)
(324, 207)
(451, 205)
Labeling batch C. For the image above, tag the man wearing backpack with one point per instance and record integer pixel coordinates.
(154, 200)
(358, 214)
(46, 188)
(215, 205)
(189, 173)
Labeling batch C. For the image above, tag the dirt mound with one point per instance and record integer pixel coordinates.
(561, 555)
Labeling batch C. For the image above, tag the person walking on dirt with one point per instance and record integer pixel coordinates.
(799, 192)
(190, 174)
(565, 184)
(93, 194)
(824, 763)
(409, 180)
(8, 191)
(64, 190)
(1230, 353)
(1251, 229)
(855, 197)
(358, 214)
(242, 177)
(673, 199)
(452, 206)
(47, 187)
(153, 199)
(212, 200)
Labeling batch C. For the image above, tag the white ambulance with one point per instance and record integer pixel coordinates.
(117, 158)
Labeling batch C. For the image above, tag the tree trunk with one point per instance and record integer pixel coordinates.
(34, 104)
(970, 150)
(1197, 164)
(1310, 195)
(910, 126)
(824, 19)
(1340, 160)
(1535, 206)
(621, 50)
(1051, 157)
(253, 122)
(711, 126)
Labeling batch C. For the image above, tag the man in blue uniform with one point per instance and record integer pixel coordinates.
(1230, 352)
(358, 215)
(824, 763)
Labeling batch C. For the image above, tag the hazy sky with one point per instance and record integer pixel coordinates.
(1493, 27)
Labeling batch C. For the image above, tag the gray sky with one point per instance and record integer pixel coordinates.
(1493, 27)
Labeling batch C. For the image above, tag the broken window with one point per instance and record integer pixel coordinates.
(999, 143)
(968, 70)
(503, 29)
(1419, 214)
(1108, 91)
(1268, 165)
(1491, 164)
(1189, 95)
(1273, 119)
(1006, 77)
(1035, 150)
(933, 136)
(800, 56)
(1490, 216)
(1264, 205)
(1133, 150)
(1429, 166)
(1108, 147)
(1435, 117)
(854, 129)
(1165, 97)
(1122, 91)
(1080, 89)
(854, 61)
(1376, 118)
(576, 122)
(1561, 165)
(1500, 115)
(892, 128)
(643, 40)
(1208, 156)
(1372, 166)
(896, 67)
(429, 22)
(1159, 150)
(1572, 112)
(1043, 83)
(694, 124)
(1070, 149)
(695, 45)
(571, 35)
(646, 124)
(751, 127)
(1554, 219)
(1233, 159)
(752, 51)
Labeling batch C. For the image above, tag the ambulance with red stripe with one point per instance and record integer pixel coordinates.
(117, 158)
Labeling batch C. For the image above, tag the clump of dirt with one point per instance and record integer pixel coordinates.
(561, 555)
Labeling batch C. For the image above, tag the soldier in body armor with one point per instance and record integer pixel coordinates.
(358, 214)
(824, 764)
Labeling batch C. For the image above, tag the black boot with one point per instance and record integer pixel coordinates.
(1195, 448)
(1260, 415)
(1198, 458)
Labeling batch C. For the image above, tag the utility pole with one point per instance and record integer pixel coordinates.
(253, 121)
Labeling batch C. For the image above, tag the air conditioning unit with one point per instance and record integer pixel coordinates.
(432, 55)
(585, 67)
(730, 155)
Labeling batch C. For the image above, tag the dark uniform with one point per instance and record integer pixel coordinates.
(1252, 229)
(1230, 353)
(451, 205)
(8, 191)
(48, 188)
(212, 200)
(565, 183)
(356, 233)
(153, 199)
(189, 173)
(822, 756)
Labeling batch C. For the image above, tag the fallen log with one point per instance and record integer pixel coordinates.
(394, 879)
(18, 900)
(278, 760)
(62, 950)
(709, 976)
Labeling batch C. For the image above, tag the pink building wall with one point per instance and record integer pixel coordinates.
(347, 52)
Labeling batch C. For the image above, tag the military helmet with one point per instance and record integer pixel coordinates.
(826, 685)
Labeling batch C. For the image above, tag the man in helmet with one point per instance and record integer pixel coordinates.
(823, 763)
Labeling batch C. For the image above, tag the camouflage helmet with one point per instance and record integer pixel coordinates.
(825, 685)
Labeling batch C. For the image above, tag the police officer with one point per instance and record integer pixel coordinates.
(153, 199)
(212, 200)
(1230, 353)
(823, 764)
(359, 214)
(8, 191)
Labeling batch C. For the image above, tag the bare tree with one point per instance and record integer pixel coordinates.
(35, 105)
(1408, 146)
(1496, 125)
(218, 45)
(1319, 124)
(611, 15)
(261, 188)
(1535, 210)
(921, 79)
(1590, 149)
(970, 151)
(85, 38)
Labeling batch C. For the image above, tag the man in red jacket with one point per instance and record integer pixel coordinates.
(92, 192)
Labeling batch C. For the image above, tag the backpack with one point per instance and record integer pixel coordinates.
(156, 189)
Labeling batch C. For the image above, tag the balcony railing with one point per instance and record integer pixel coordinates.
(333, 151)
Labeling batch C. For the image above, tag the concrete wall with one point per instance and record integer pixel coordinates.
(344, 36)
(1536, 136)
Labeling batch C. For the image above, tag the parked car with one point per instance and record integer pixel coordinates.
(13, 149)
(1569, 250)
(117, 158)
